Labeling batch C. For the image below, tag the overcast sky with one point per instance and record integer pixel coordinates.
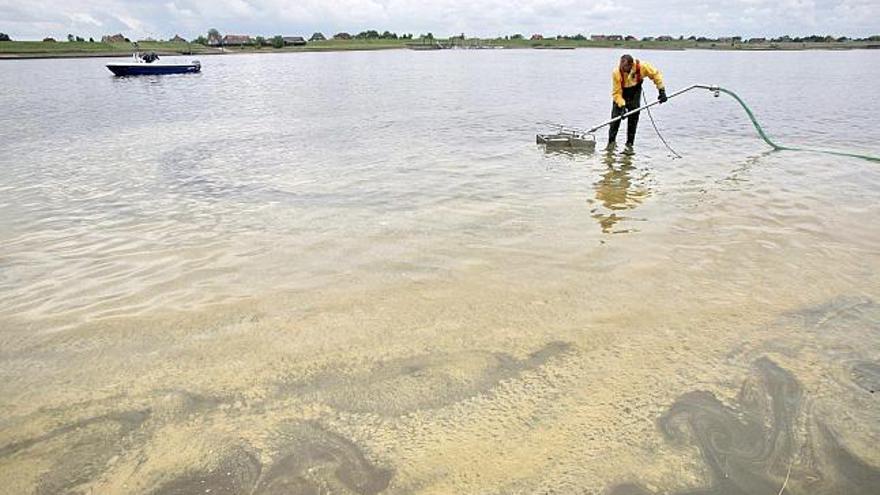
(34, 19)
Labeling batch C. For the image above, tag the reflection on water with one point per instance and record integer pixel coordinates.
(622, 187)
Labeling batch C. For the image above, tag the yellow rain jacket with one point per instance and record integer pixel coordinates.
(639, 71)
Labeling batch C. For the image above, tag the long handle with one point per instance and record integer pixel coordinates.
(673, 95)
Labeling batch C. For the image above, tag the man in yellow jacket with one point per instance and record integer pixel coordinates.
(626, 90)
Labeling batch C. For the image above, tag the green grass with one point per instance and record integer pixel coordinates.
(75, 47)
(675, 44)
(331, 45)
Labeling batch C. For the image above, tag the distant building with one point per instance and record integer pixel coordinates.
(177, 39)
(294, 40)
(665, 38)
(648, 38)
(757, 40)
(537, 37)
(630, 38)
(114, 38)
(48, 40)
(341, 36)
(214, 39)
(318, 37)
(606, 37)
(237, 40)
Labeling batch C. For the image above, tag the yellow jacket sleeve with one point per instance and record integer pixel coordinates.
(616, 90)
(652, 73)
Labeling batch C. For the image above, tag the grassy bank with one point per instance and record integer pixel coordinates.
(25, 49)
(28, 49)
(682, 45)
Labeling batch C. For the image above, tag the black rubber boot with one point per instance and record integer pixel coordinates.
(633, 97)
(631, 125)
(613, 128)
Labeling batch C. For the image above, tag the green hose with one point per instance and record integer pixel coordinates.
(790, 148)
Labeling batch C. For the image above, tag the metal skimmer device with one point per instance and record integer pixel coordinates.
(564, 137)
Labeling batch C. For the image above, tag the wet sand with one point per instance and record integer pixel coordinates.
(550, 401)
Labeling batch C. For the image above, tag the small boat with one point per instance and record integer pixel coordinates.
(144, 65)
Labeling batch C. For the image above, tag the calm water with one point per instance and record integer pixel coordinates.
(357, 273)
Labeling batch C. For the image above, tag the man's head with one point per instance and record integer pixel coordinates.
(626, 63)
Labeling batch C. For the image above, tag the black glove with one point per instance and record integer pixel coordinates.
(621, 110)
(662, 96)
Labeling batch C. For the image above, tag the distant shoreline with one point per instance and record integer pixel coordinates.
(167, 53)
(23, 50)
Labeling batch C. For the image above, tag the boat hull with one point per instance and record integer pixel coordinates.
(153, 69)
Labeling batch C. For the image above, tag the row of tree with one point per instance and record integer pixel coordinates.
(375, 35)
(372, 34)
(215, 38)
(387, 35)
(79, 39)
(71, 38)
(738, 39)
(816, 38)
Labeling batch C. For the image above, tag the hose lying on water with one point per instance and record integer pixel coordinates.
(776, 146)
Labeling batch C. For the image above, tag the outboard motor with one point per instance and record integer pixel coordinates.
(149, 57)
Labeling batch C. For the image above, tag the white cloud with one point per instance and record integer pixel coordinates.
(163, 18)
(81, 18)
(131, 23)
(176, 11)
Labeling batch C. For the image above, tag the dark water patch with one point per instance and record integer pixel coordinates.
(80, 451)
(839, 312)
(866, 374)
(235, 472)
(851, 475)
(421, 382)
(128, 421)
(85, 448)
(194, 171)
(227, 170)
(755, 446)
(317, 461)
(740, 446)
(178, 404)
(629, 489)
(837, 328)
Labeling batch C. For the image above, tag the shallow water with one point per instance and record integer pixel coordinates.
(357, 273)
